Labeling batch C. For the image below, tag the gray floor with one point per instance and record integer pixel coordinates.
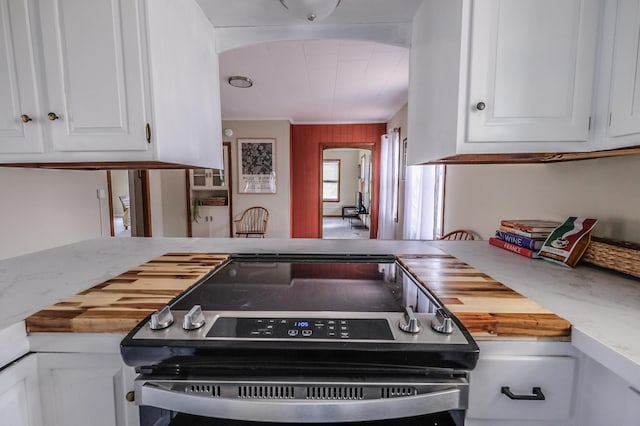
(338, 228)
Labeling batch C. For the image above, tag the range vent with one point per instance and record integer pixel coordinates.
(203, 389)
(335, 392)
(265, 392)
(399, 391)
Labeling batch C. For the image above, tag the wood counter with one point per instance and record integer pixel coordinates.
(486, 307)
(119, 304)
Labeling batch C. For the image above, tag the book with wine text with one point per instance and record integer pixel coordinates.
(519, 240)
(512, 247)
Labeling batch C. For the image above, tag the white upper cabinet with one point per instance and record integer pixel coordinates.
(113, 81)
(624, 99)
(93, 66)
(531, 71)
(20, 103)
(502, 76)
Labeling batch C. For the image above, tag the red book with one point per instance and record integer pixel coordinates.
(512, 247)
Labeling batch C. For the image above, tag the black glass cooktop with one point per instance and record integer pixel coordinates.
(307, 286)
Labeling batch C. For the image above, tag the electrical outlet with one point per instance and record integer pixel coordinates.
(102, 193)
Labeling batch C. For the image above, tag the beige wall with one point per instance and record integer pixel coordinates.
(278, 204)
(41, 209)
(119, 186)
(174, 203)
(349, 175)
(608, 189)
(400, 120)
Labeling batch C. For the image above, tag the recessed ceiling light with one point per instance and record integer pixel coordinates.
(240, 81)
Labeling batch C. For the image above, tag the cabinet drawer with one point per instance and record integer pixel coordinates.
(554, 375)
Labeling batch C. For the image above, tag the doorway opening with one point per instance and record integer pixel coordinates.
(129, 203)
(346, 196)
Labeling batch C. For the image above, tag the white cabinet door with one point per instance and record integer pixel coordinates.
(531, 71)
(213, 222)
(605, 398)
(19, 394)
(19, 84)
(624, 102)
(85, 389)
(212, 179)
(93, 66)
(109, 81)
(554, 376)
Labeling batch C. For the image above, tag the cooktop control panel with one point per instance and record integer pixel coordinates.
(302, 328)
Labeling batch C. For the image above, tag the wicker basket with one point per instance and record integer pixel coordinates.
(621, 256)
(215, 201)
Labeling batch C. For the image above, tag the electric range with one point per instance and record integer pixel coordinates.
(303, 339)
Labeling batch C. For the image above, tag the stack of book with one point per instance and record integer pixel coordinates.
(524, 237)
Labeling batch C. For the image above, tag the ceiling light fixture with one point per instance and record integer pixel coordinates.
(240, 81)
(311, 10)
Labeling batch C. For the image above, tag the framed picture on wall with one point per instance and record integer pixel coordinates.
(257, 166)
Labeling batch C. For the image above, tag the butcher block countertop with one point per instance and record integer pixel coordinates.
(602, 307)
(487, 308)
(119, 304)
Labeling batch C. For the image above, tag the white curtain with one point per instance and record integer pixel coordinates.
(389, 167)
(421, 203)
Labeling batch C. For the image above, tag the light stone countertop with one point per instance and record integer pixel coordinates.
(603, 307)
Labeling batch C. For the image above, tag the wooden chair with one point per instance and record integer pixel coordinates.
(253, 222)
(126, 204)
(459, 235)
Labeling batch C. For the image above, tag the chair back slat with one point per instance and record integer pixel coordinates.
(459, 235)
(253, 222)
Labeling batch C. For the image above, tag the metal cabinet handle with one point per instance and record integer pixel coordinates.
(536, 391)
(480, 106)
(25, 118)
(52, 116)
(330, 411)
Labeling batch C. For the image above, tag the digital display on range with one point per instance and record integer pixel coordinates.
(308, 328)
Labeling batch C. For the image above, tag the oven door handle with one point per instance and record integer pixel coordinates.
(300, 411)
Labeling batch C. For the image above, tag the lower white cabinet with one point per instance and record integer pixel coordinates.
(19, 394)
(529, 372)
(604, 398)
(213, 221)
(79, 389)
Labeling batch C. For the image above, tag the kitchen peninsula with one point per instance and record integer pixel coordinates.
(602, 307)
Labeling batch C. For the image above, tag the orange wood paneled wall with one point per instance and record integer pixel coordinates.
(307, 141)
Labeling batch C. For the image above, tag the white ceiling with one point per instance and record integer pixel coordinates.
(313, 81)
(255, 13)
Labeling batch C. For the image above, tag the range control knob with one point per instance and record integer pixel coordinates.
(194, 319)
(411, 323)
(161, 319)
(442, 322)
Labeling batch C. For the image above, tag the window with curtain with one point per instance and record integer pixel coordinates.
(331, 180)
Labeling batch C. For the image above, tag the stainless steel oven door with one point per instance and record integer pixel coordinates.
(281, 401)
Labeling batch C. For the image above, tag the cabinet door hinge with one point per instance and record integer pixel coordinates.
(147, 130)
